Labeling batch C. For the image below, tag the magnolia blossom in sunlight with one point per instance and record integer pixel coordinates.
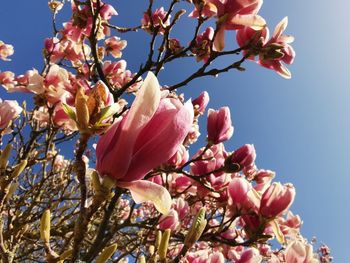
(6, 50)
(114, 46)
(9, 110)
(148, 136)
(202, 47)
(300, 252)
(277, 199)
(273, 53)
(232, 15)
(159, 19)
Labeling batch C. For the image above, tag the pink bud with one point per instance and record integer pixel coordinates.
(277, 199)
(170, 221)
(244, 156)
(107, 11)
(219, 125)
(201, 102)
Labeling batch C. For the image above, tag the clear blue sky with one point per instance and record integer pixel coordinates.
(300, 127)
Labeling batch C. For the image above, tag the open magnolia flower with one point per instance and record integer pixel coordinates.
(146, 137)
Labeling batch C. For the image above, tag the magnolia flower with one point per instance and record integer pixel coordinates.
(299, 252)
(273, 53)
(279, 51)
(232, 15)
(5, 51)
(9, 110)
(277, 199)
(201, 102)
(114, 45)
(219, 125)
(158, 20)
(146, 137)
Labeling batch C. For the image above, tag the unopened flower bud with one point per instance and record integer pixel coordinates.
(219, 125)
(158, 239)
(18, 169)
(106, 254)
(142, 259)
(163, 247)
(13, 187)
(244, 156)
(169, 221)
(45, 224)
(201, 102)
(95, 181)
(197, 228)
(151, 250)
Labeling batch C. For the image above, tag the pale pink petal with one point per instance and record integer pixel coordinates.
(254, 21)
(160, 139)
(146, 191)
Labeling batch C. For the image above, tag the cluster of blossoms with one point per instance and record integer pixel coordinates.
(137, 191)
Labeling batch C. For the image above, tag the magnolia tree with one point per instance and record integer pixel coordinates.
(131, 191)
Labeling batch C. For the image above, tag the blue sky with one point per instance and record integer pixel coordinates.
(300, 127)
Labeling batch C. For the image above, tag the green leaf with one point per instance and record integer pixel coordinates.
(108, 112)
(69, 111)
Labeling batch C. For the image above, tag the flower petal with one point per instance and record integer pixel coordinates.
(254, 21)
(146, 191)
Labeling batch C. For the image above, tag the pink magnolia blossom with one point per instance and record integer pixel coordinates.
(171, 221)
(182, 208)
(299, 252)
(238, 190)
(134, 146)
(114, 46)
(273, 53)
(201, 102)
(180, 157)
(158, 19)
(232, 15)
(9, 110)
(244, 156)
(6, 50)
(107, 11)
(118, 75)
(277, 199)
(202, 47)
(251, 37)
(219, 125)
(279, 51)
(7, 80)
(212, 160)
